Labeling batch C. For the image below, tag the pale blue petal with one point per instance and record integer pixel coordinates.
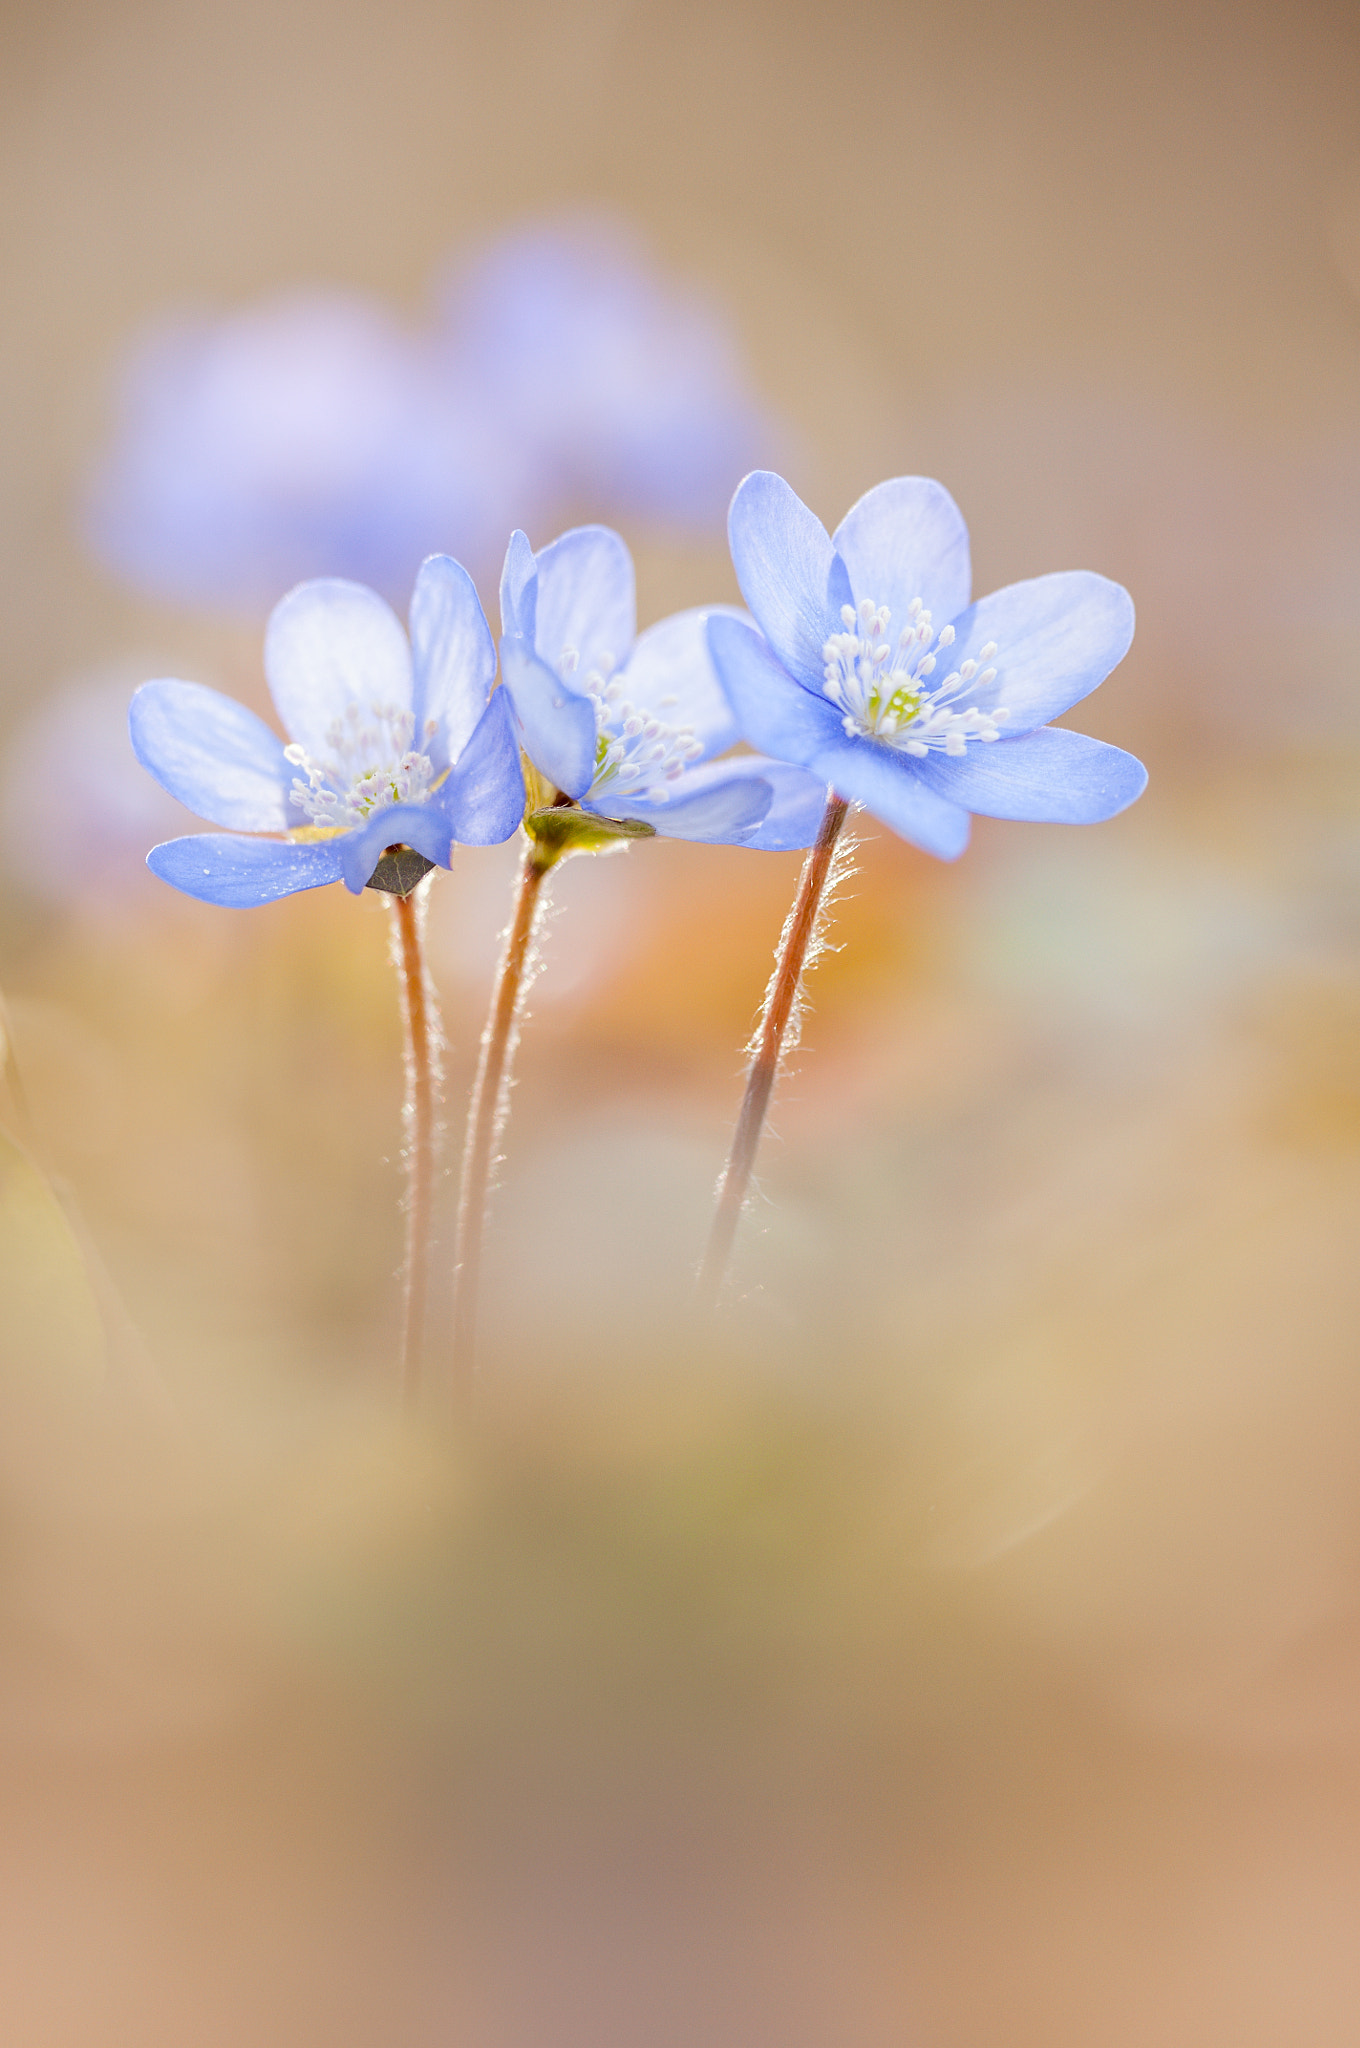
(798, 801)
(330, 644)
(887, 784)
(453, 656)
(1057, 637)
(586, 599)
(212, 753)
(720, 809)
(1051, 776)
(556, 727)
(789, 572)
(671, 673)
(906, 539)
(219, 867)
(519, 588)
(423, 826)
(484, 795)
(772, 711)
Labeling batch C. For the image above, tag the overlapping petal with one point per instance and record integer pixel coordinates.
(424, 826)
(888, 785)
(483, 795)
(220, 867)
(1057, 638)
(906, 539)
(790, 574)
(556, 726)
(586, 599)
(330, 644)
(797, 800)
(789, 724)
(453, 657)
(212, 753)
(718, 807)
(1051, 776)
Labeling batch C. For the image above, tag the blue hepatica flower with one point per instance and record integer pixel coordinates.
(312, 434)
(877, 675)
(631, 728)
(392, 744)
(626, 389)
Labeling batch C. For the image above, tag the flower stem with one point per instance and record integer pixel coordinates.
(490, 1101)
(420, 1118)
(768, 1044)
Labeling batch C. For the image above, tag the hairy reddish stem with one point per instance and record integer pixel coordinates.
(487, 1109)
(768, 1046)
(420, 1116)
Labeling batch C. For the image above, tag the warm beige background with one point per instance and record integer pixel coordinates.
(968, 1653)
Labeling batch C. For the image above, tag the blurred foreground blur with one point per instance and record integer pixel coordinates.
(962, 1645)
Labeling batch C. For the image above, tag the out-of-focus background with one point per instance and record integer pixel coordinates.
(962, 1646)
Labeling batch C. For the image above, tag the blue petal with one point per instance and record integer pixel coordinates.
(484, 795)
(330, 644)
(773, 711)
(219, 867)
(1052, 776)
(790, 575)
(671, 660)
(797, 801)
(454, 658)
(519, 588)
(1057, 637)
(906, 539)
(556, 727)
(212, 753)
(720, 808)
(586, 599)
(423, 826)
(888, 785)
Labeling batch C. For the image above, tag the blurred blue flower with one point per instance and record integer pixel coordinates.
(631, 728)
(392, 744)
(920, 722)
(100, 810)
(312, 435)
(629, 394)
(315, 434)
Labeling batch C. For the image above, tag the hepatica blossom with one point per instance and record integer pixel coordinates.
(627, 390)
(312, 434)
(391, 743)
(873, 672)
(633, 727)
(877, 675)
(316, 433)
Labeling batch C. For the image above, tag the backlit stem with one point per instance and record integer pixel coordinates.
(490, 1102)
(768, 1044)
(420, 1118)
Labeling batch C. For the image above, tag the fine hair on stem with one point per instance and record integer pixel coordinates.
(802, 942)
(521, 958)
(422, 1122)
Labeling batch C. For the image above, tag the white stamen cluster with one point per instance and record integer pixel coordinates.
(636, 753)
(370, 765)
(882, 686)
